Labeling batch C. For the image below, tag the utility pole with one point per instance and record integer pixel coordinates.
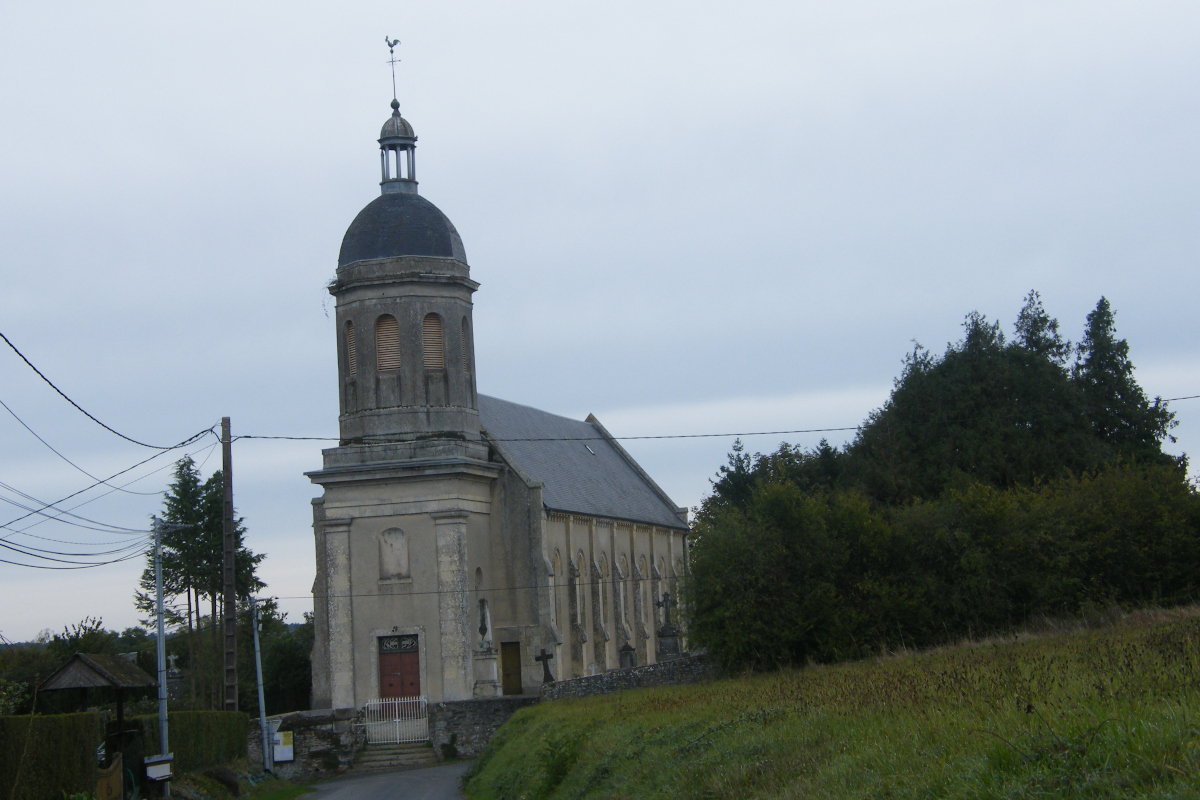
(267, 744)
(163, 750)
(228, 570)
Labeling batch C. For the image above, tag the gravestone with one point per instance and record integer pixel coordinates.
(628, 656)
(545, 657)
(667, 647)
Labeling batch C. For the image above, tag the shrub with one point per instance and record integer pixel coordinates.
(45, 756)
(827, 575)
(198, 739)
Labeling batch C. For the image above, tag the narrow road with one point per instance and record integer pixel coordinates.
(432, 783)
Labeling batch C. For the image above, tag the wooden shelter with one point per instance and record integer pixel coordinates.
(92, 671)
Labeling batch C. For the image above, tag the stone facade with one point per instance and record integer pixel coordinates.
(689, 669)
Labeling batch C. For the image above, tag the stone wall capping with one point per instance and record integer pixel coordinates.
(695, 668)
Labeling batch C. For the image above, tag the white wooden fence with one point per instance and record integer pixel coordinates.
(396, 720)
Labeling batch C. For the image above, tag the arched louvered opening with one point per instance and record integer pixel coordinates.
(387, 343)
(466, 344)
(431, 337)
(351, 350)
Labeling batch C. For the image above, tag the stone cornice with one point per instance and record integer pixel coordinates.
(405, 269)
(391, 470)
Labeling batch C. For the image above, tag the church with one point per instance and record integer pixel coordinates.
(466, 546)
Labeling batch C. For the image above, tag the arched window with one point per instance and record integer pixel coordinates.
(351, 350)
(641, 590)
(387, 343)
(431, 336)
(466, 344)
(556, 583)
(603, 588)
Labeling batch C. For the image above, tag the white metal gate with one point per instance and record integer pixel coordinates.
(396, 720)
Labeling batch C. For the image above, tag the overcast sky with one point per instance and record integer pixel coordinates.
(685, 217)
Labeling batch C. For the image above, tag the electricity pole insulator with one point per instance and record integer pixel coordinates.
(229, 612)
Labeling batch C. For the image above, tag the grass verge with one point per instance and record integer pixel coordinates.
(1089, 713)
(217, 784)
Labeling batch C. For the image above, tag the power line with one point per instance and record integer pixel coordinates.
(41, 538)
(371, 439)
(23, 531)
(574, 438)
(60, 455)
(105, 527)
(83, 411)
(552, 585)
(78, 566)
(32, 552)
(55, 504)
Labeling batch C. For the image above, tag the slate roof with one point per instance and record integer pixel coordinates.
(85, 670)
(583, 471)
(400, 224)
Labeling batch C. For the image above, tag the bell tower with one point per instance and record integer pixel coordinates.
(409, 485)
(403, 290)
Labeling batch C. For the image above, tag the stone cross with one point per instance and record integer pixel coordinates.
(545, 659)
(172, 658)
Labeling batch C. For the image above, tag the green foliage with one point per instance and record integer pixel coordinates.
(199, 739)
(88, 636)
(826, 576)
(24, 666)
(192, 577)
(1001, 413)
(996, 483)
(192, 555)
(286, 660)
(1096, 713)
(14, 697)
(1117, 407)
(46, 756)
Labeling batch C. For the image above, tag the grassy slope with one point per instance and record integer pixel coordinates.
(1101, 713)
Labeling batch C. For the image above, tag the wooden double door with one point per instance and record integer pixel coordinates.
(399, 667)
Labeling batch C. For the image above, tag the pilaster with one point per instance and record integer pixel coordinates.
(457, 682)
(339, 613)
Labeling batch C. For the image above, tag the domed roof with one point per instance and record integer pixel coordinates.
(397, 126)
(400, 224)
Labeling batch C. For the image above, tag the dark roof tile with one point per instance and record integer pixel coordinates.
(582, 472)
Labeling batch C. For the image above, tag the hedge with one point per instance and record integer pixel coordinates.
(43, 756)
(198, 739)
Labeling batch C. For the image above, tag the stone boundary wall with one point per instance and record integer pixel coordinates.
(324, 742)
(689, 669)
(474, 722)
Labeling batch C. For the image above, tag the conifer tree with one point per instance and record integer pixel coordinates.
(193, 554)
(1119, 412)
(1037, 331)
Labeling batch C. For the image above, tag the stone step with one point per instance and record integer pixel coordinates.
(406, 764)
(407, 757)
(380, 757)
(395, 749)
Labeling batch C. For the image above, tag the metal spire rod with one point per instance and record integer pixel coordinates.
(391, 43)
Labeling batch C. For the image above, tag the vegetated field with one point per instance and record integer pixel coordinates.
(1112, 712)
